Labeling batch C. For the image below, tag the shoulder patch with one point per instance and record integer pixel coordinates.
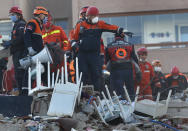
(29, 27)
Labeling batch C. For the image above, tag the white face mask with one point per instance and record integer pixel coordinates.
(157, 69)
(95, 20)
(142, 60)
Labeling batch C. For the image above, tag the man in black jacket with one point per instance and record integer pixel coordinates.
(17, 45)
(121, 56)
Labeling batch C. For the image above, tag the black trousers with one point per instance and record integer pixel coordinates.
(19, 72)
(89, 64)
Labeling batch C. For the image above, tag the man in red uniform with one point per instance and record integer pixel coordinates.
(55, 34)
(147, 74)
(176, 80)
(87, 36)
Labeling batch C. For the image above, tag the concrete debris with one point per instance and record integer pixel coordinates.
(86, 117)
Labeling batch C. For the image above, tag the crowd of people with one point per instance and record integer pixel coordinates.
(127, 67)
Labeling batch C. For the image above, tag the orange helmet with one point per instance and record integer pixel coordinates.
(175, 70)
(40, 10)
(156, 63)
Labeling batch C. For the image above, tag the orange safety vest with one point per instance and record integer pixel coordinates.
(38, 29)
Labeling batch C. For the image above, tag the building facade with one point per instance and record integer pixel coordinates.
(151, 21)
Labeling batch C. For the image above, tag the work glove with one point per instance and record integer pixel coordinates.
(31, 51)
(75, 46)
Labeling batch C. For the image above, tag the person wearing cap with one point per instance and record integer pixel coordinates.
(17, 46)
(159, 81)
(147, 75)
(120, 55)
(176, 80)
(33, 32)
(86, 39)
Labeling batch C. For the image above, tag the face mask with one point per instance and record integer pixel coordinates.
(95, 20)
(157, 69)
(44, 21)
(47, 25)
(13, 18)
(142, 60)
(175, 77)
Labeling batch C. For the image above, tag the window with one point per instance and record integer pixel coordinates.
(183, 33)
(147, 29)
(6, 27)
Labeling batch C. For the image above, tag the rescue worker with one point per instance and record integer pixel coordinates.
(17, 46)
(147, 75)
(33, 33)
(86, 38)
(176, 81)
(33, 36)
(120, 55)
(55, 34)
(82, 17)
(159, 81)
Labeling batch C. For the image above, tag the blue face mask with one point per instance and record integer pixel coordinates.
(13, 18)
(45, 20)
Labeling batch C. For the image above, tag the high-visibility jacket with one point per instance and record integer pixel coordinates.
(56, 35)
(33, 35)
(72, 71)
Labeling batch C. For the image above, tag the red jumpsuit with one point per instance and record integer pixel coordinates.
(145, 84)
(57, 35)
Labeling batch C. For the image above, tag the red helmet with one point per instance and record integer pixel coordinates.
(84, 9)
(142, 51)
(15, 9)
(92, 11)
(175, 71)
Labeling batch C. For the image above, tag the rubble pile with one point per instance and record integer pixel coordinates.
(64, 106)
